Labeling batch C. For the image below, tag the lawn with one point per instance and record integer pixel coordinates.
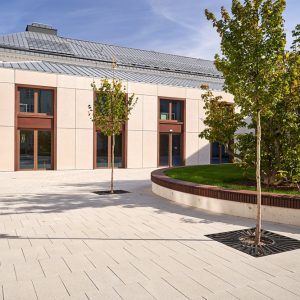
(229, 176)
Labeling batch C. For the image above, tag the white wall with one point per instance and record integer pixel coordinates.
(7, 120)
(245, 210)
(75, 129)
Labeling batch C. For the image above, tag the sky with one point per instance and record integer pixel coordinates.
(170, 26)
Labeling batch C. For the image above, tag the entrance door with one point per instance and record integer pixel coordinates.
(35, 151)
(170, 149)
(104, 150)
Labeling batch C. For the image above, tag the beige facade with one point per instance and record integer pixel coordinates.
(75, 142)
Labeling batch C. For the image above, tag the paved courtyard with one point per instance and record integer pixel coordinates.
(58, 240)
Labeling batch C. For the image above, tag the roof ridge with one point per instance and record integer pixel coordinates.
(112, 45)
(125, 47)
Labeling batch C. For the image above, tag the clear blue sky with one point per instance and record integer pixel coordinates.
(172, 26)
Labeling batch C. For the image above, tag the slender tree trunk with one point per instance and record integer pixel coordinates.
(258, 179)
(112, 164)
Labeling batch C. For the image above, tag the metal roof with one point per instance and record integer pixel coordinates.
(34, 42)
(134, 75)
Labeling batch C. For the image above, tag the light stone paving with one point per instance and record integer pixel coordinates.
(58, 240)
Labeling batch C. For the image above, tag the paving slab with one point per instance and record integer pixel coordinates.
(59, 240)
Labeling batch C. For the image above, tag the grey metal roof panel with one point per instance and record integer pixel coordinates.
(45, 43)
(136, 75)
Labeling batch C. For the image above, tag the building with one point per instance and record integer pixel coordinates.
(45, 90)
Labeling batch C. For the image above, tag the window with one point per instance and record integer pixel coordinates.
(35, 128)
(170, 149)
(170, 110)
(35, 149)
(104, 150)
(219, 155)
(36, 101)
(26, 100)
(45, 102)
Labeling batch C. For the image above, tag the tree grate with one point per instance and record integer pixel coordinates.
(242, 240)
(107, 192)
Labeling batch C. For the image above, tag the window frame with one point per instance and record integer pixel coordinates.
(36, 90)
(171, 100)
(35, 121)
(172, 126)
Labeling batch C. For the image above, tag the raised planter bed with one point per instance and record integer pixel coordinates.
(276, 207)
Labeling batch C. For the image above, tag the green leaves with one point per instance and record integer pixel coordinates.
(262, 76)
(112, 106)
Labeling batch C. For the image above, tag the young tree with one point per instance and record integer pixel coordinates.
(252, 45)
(111, 111)
(222, 122)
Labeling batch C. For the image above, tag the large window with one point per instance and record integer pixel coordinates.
(37, 101)
(171, 110)
(35, 128)
(171, 132)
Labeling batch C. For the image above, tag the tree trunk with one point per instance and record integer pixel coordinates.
(258, 179)
(112, 164)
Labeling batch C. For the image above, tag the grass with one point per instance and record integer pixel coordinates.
(229, 176)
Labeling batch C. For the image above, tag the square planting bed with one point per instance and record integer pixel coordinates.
(242, 240)
(116, 192)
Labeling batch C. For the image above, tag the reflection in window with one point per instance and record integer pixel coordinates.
(45, 102)
(102, 150)
(176, 150)
(44, 149)
(164, 149)
(118, 151)
(26, 149)
(176, 110)
(218, 154)
(164, 110)
(170, 110)
(26, 100)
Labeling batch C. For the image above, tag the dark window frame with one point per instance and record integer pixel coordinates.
(172, 127)
(170, 109)
(36, 91)
(220, 156)
(35, 121)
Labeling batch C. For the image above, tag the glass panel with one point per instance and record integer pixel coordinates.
(45, 102)
(176, 150)
(215, 153)
(26, 149)
(44, 149)
(225, 156)
(164, 110)
(118, 151)
(102, 150)
(164, 149)
(176, 110)
(26, 100)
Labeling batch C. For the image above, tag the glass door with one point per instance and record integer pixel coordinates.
(26, 154)
(118, 151)
(104, 150)
(176, 150)
(164, 149)
(44, 149)
(35, 149)
(170, 149)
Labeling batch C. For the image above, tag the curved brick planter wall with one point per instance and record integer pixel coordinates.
(277, 208)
